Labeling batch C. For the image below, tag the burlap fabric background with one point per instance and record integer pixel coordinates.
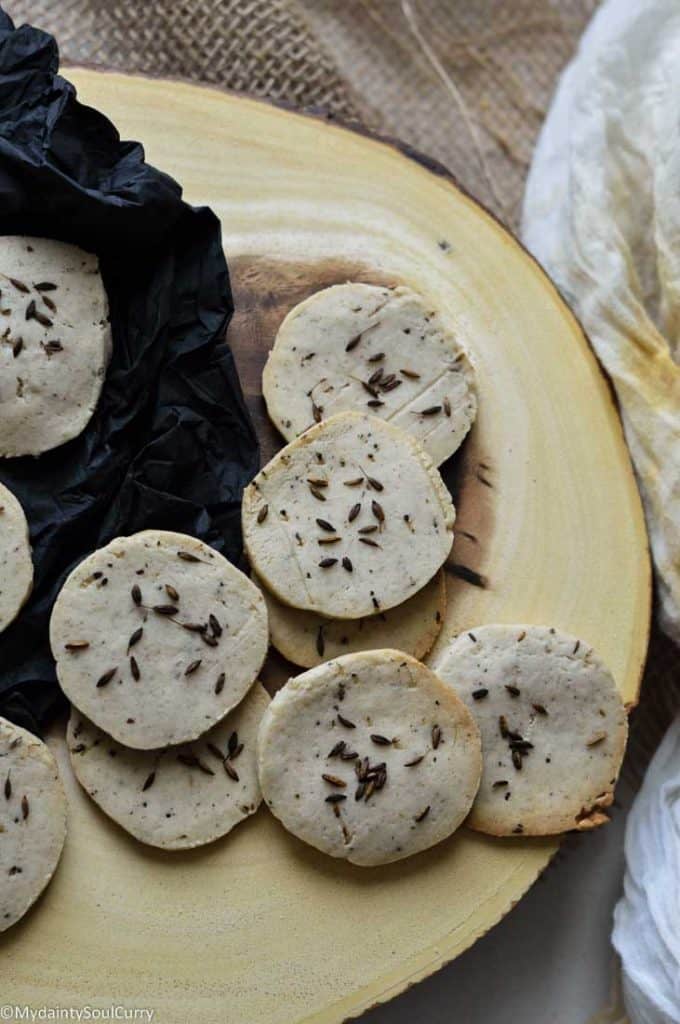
(467, 81)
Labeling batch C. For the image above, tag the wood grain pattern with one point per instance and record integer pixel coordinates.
(258, 928)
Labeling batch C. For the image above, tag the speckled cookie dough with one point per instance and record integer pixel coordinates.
(55, 343)
(178, 797)
(370, 349)
(369, 757)
(156, 637)
(552, 722)
(351, 519)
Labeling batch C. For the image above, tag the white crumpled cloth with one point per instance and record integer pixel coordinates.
(602, 214)
(647, 918)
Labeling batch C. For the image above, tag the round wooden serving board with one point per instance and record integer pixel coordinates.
(259, 928)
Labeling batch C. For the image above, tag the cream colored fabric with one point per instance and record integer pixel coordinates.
(602, 214)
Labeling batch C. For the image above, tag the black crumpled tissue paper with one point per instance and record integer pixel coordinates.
(171, 444)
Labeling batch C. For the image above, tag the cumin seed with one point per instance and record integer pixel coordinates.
(423, 814)
(325, 525)
(106, 678)
(333, 780)
(346, 722)
(136, 637)
(354, 512)
(193, 667)
(326, 563)
(165, 609)
(262, 514)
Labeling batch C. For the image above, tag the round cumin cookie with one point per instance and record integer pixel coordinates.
(32, 820)
(156, 637)
(16, 564)
(55, 343)
(307, 639)
(350, 519)
(178, 797)
(369, 757)
(357, 346)
(552, 722)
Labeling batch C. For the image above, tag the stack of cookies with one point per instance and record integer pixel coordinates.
(388, 393)
(370, 755)
(158, 642)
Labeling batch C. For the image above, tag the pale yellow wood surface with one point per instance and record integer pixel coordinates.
(258, 928)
